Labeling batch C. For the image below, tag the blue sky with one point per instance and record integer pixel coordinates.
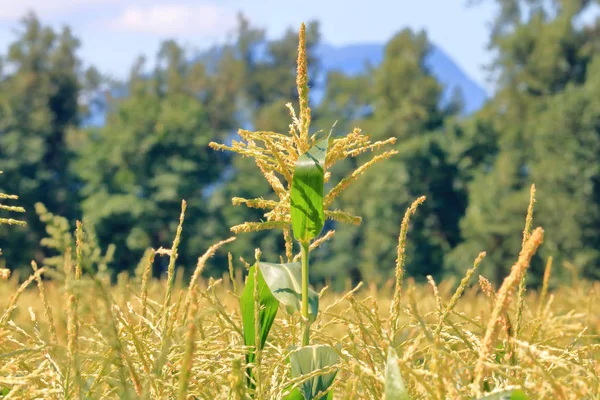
(115, 32)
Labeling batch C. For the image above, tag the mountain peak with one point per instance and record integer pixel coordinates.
(353, 59)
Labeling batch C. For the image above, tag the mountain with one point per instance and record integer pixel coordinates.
(354, 59)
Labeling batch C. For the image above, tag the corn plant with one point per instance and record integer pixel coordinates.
(295, 165)
(5, 273)
(10, 221)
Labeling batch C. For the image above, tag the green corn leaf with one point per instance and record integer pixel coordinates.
(306, 194)
(309, 359)
(395, 389)
(285, 283)
(268, 310)
(294, 395)
(507, 395)
(297, 395)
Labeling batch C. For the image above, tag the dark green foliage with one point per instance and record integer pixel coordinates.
(285, 283)
(312, 358)
(127, 178)
(405, 103)
(306, 195)
(268, 306)
(546, 133)
(39, 90)
(152, 153)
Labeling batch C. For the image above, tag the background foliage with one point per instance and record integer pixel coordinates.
(127, 177)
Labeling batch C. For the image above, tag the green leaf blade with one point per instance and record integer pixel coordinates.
(285, 283)
(517, 394)
(309, 359)
(268, 310)
(294, 395)
(395, 389)
(306, 195)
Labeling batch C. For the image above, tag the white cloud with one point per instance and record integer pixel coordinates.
(11, 9)
(176, 19)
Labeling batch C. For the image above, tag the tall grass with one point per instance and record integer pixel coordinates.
(81, 338)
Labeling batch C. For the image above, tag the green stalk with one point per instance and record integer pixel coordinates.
(305, 254)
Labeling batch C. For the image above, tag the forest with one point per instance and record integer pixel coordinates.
(125, 176)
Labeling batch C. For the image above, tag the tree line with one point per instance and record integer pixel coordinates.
(126, 178)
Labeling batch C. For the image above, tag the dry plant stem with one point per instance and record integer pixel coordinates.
(188, 357)
(47, 308)
(73, 320)
(78, 250)
(544, 292)
(171, 267)
(436, 294)
(73, 343)
(395, 306)
(10, 221)
(458, 293)
(500, 305)
(198, 271)
(117, 347)
(305, 317)
(13, 301)
(523, 281)
(302, 83)
(145, 280)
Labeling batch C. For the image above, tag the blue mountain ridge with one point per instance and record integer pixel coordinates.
(353, 59)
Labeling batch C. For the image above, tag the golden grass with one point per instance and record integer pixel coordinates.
(80, 338)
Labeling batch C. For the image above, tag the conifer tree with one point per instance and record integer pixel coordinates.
(405, 104)
(543, 59)
(153, 152)
(39, 90)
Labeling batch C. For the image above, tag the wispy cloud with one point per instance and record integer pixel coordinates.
(16, 9)
(209, 20)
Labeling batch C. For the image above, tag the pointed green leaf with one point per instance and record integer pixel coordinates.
(313, 358)
(294, 395)
(268, 309)
(307, 193)
(297, 395)
(395, 389)
(507, 395)
(285, 282)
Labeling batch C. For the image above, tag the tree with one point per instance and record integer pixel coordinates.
(153, 152)
(541, 54)
(39, 89)
(405, 104)
(566, 171)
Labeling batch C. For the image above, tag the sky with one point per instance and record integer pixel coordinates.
(115, 32)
